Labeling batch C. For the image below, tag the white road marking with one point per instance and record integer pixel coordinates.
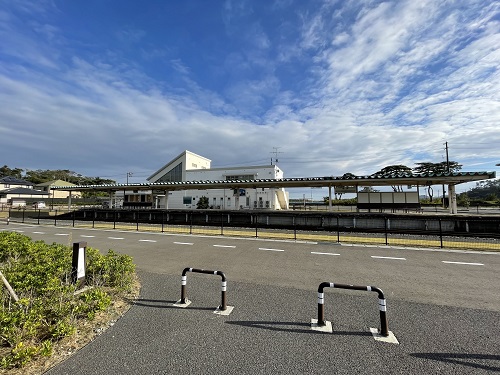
(393, 258)
(147, 241)
(183, 243)
(318, 253)
(86, 236)
(115, 238)
(39, 232)
(468, 264)
(61, 234)
(266, 249)
(229, 246)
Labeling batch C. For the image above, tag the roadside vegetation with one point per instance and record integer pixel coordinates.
(48, 310)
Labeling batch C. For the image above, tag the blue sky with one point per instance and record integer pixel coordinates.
(109, 87)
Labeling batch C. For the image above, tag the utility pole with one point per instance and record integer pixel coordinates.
(275, 152)
(129, 174)
(447, 158)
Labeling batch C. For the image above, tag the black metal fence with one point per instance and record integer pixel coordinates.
(439, 231)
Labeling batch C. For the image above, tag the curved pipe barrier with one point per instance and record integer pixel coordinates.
(384, 329)
(223, 305)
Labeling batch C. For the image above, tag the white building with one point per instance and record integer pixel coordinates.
(192, 167)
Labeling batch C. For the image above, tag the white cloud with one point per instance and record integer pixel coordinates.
(389, 88)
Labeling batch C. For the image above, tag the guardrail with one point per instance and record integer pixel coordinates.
(184, 300)
(384, 329)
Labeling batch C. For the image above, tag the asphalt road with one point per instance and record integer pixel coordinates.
(443, 308)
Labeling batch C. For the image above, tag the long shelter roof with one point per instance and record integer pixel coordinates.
(424, 179)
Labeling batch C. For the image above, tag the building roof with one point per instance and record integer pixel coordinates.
(55, 183)
(14, 181)
(424, 179)
(22, 191)
(185, 152)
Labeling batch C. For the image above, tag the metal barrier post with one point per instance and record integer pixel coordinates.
(384, 327)
(183, 300)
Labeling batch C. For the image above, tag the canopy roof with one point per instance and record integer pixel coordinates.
(424, 179)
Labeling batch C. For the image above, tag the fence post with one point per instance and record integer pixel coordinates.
(162, 220)
(74, 213)
(441, 233)
(190, 223)
(93, 218)
(294, 229)
(338, 229)
(24, 210)
(385, 230)
(222, 223)
(55, 218)
(137, 221)
(256, 224)
(114, 219)
(38, 221)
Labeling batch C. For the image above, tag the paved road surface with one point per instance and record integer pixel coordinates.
(443, 307)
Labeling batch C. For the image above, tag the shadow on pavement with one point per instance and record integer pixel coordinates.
(281, 326)
(164, 304)
(465, 359)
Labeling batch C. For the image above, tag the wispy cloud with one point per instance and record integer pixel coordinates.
(340, 87)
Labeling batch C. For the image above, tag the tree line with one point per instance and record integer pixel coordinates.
(39, 176)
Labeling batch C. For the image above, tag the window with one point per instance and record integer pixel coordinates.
(187, 200)
(174, 175)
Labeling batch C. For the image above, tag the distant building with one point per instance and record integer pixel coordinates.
(47, 187)
(189, 166)
(15, 192)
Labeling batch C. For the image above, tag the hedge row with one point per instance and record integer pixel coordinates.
(48, 308)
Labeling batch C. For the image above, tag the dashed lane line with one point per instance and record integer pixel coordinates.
(318, 253)
(39, 232)
(147, 241)
(391, 258)
(464, 263)
(116, 238)
(86, 236)
(184, 243)
(226, 246)
(61, 234)
(267, 249)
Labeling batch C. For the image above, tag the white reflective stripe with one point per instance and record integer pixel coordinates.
(190, 270)
(369, 288)
(224, 284)
(381, 305)
(321, 300)
(215, 272)
(332, 285)
(183, 280)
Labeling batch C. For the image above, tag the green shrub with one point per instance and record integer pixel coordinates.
(48, 308)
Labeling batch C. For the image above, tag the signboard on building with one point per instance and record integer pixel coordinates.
(345, 189)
